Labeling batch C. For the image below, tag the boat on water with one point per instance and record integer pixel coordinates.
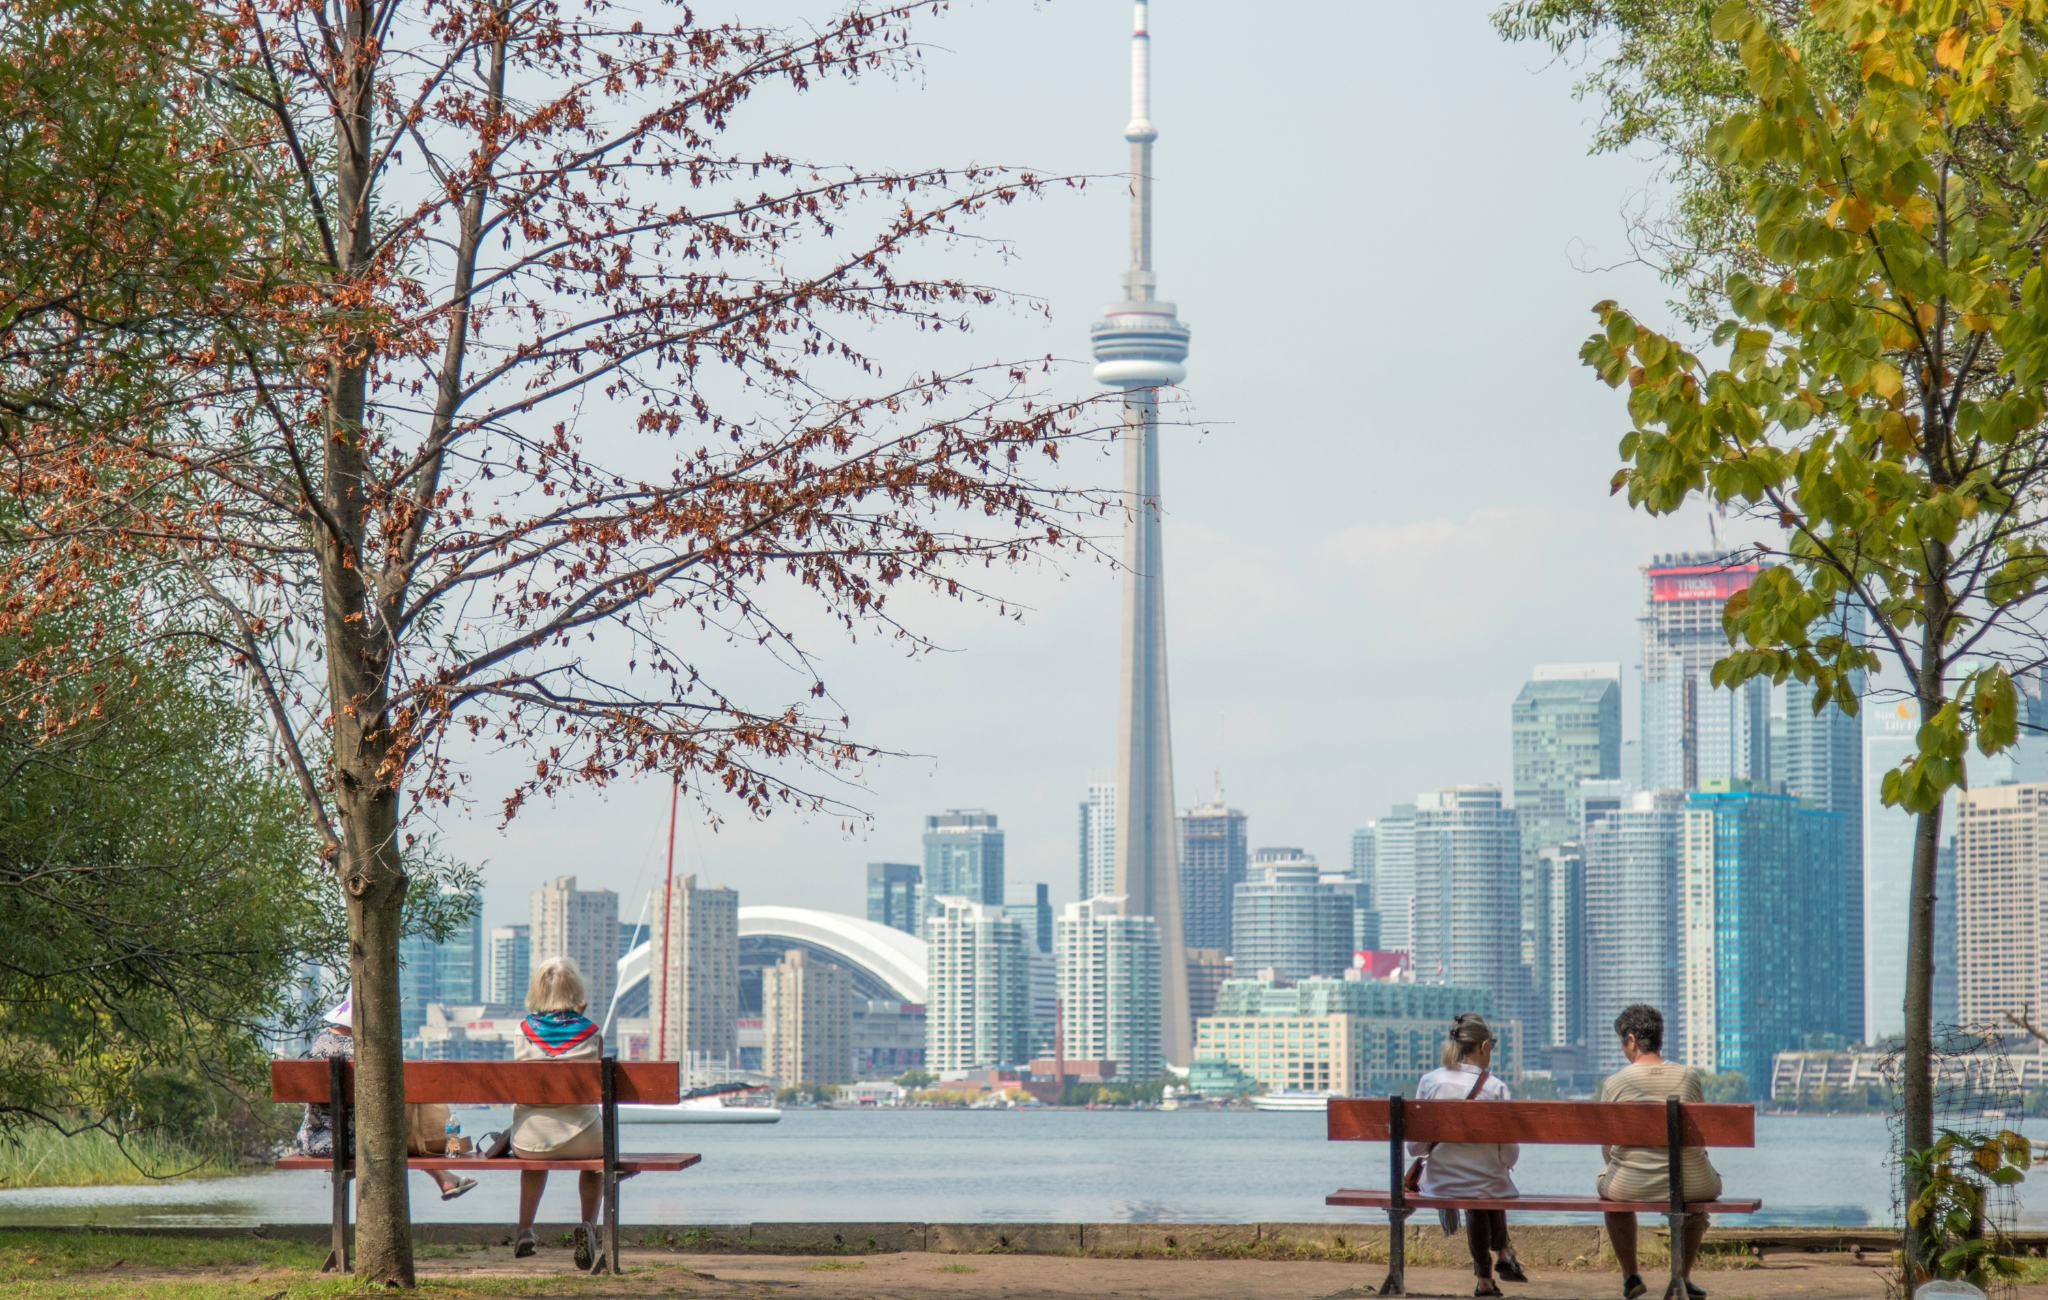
(703, 1106)
(1314, 1101)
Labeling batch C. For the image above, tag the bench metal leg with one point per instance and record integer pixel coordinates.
(608, 1252)
(1675, 1137)
(1397, 1204)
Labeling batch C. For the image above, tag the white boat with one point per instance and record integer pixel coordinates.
(1314, 1101)
(699, 1110)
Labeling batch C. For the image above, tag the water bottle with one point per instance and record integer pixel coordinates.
(450, 1136)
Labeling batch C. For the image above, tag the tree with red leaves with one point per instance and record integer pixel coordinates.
(520, 397)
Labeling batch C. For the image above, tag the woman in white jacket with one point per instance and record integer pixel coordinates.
(1472, 1170)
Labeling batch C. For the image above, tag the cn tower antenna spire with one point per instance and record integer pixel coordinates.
(1139, 346)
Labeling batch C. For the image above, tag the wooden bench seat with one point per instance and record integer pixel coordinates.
(602, 1083)
(1398, 1121)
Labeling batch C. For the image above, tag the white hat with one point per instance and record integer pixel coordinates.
(343, 1012)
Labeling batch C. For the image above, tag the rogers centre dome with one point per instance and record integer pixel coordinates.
(887, 964)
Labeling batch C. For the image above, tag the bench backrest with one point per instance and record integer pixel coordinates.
(1590, 1123)
(536, 1083)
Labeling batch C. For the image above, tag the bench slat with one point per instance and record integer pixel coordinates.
(1632, 1123)
(534, 1083)
(1572, 1204)
(636, 1163)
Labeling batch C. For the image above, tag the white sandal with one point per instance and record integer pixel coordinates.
(461, 1185)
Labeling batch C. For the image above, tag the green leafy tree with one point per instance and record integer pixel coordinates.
(1881, 398)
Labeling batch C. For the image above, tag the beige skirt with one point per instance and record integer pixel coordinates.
(587, 1145)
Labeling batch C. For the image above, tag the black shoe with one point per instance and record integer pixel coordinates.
(525, 1246)
(1486, 1287)
(1509, 1269)
(1693, 1291)
(586, 1246)
(1632, 1287)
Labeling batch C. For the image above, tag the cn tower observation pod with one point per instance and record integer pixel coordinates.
(1139, 345)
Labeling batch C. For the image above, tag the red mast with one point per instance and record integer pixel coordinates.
(667, 892)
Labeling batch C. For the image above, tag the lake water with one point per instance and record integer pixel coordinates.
(1020, 1166)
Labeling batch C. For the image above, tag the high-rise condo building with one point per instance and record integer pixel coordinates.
(1098, 838)
(1213, 858)
(1286, 920)
(1565, 728)
(1207, 969)
(807, 1019)
(449, 971)
(1365, 922)
(1693, 732)
(893, 889)
(963, 858)
(2001, 858)
(1467, 915)
(1631, 919)
(508, 964)
(1357, 1038)
(1763, 923)
(1890, 727)
(979, 982)
(1042, 971)
(1599, 798)
(1387, 847)
(1820, 760)
(1042, 913)
(1139, 345)
(1558, 975)
(1109, 976)
(582, 925)
(694, 1011)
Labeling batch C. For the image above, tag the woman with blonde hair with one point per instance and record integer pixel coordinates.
(1473, 1170)
(555, 1029)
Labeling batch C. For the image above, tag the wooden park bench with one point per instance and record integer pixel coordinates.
(604, 1083)
(1398, 1121)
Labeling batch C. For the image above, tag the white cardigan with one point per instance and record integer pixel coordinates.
(1462, 1169)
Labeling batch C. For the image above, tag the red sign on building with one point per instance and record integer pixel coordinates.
(1700, 582)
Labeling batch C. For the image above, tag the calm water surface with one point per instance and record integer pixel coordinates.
(1021, 1166)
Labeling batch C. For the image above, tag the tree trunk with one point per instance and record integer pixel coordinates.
(376, 902)
(1917, 1062)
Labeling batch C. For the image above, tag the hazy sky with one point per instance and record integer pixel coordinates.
(1383, 228)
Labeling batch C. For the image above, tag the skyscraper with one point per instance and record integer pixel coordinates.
(448, 971)
(1821, 760)
(1042, 914)
(1098, 838)
(963, 857)
(978, 979)
(1631, 933)
(1559, 976)
(1764, 923)
(1467, 916)
(1139, 346)
(1565, 727)
(1692, 731)
(583, 925)
(1287, 920)
(1889, 731)
(807, 1020)
(893, 889)
(1109, 976)
(2001, 871)
(1389, 845)
(694, 1011)
(508, 963)
(1212, 864)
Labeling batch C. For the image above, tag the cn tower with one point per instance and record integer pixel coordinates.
(1139, 346)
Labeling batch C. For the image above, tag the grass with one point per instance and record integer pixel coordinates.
(956, 1268)
(835, 1265)
(42, 1157)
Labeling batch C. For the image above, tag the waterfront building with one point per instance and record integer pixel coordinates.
(508, 964)
(1110, 973)
(963, 858)
(459, 1032)
(1139, 346)
(1565, 728)
(1631, 919)
(888, 1037)
(1383, 854)
(1558, 976)
(1352, 1038)
(1597, 798)
(1367, 934)
(893, 889)
(583, 925)
(1098, 838)
(979, 1013)
(807, 1017)
(1213, 861)
(1763, 922)
(696, 1005)
(1042, 914)
(1820, 760)
(1042, 968)
(1692, 731)
(1467, 912)
(1287, 920)
(1207, 969)
(451, 970)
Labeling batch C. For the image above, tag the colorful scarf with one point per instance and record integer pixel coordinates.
(555, 1032)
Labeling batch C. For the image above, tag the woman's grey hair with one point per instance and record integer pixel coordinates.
(1469, 1033)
